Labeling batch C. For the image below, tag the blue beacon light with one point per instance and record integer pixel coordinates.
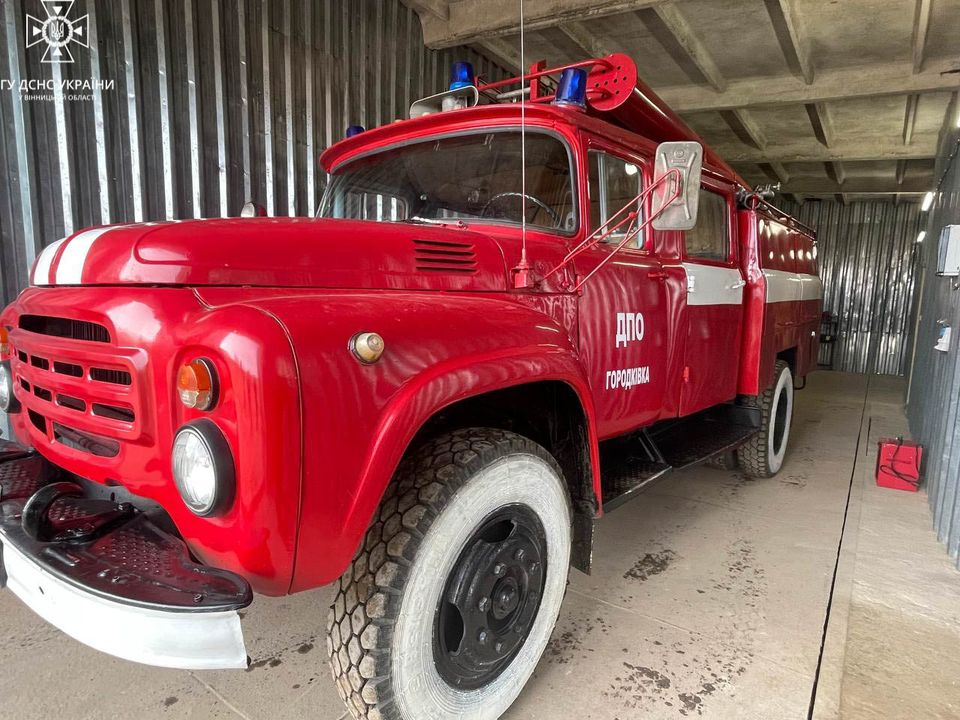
(572, 90)
(354, 130)
(461, 75)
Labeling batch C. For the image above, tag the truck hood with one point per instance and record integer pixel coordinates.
(276, 252)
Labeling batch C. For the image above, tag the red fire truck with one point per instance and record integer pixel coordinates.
(514, 311)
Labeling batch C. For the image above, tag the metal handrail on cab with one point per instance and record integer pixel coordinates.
(629, 219)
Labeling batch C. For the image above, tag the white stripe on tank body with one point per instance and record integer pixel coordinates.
(713, 285)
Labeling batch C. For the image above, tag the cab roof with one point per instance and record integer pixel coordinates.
(491, 116)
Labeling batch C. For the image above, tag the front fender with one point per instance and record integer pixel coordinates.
(359, 420)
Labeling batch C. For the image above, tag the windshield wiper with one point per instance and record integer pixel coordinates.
(434, 221)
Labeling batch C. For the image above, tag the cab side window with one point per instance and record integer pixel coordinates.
(613, 183)
(710, 237)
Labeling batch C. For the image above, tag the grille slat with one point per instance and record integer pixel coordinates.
(64, 328)
(117, 377)
(65, 368)
(72, 403)
(114, 412)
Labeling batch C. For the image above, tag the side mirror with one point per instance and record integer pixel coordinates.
(687, 159)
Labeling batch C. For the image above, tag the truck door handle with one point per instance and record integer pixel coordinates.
(657, 275)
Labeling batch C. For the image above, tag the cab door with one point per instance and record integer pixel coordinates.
(714, 307)
(622, 316)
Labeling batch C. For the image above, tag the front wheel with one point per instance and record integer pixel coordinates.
(451, 601)
(762, 455)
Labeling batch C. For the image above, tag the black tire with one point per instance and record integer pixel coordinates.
(762, 455)
(726, 460)
(393, 594)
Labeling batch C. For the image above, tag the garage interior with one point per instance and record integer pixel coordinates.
(813, 594)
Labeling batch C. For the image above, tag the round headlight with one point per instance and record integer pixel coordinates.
(203, 467)
(8, 402)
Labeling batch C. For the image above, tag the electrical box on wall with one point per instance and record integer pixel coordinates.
(948, 259)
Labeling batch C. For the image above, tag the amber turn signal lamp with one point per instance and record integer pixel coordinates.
(4, 341)
(197, 384)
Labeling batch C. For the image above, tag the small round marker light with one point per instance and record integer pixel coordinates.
(461, 75)
(354, 130)
(572, 90)
(197, 384)
(367, 346)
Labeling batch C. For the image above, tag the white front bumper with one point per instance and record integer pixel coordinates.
(187, 640)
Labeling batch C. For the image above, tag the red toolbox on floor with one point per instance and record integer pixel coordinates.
(898, 464)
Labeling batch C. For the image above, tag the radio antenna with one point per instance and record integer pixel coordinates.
(523, 145)
(521, 273)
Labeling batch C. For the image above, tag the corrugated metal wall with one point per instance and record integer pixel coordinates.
(933, 405)
(868, 262)
(214, 102)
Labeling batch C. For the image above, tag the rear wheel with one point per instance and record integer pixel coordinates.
(762, 455)
(450, 603)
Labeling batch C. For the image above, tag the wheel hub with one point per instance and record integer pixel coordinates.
(491, 598)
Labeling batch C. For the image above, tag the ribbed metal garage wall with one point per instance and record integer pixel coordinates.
(933, 405)
(868, 262)
(215, 102)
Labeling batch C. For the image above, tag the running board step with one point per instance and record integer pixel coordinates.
(629, 465)
(633, 463)
(699, 437)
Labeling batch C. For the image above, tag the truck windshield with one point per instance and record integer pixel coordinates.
(473, 178)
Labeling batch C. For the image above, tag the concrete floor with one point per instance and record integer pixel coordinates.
(708, 599)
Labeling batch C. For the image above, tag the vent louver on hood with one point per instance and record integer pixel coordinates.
(445, 256)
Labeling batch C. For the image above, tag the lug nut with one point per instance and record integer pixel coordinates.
(520, 555)
(533, 566)
(482, 637)
(484, 604)
(498, 569)
(498, 647)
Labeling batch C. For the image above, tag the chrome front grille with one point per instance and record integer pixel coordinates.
(79, 392)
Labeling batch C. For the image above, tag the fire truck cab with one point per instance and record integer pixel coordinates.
(514, 311)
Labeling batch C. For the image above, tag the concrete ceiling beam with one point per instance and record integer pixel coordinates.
(910, 118)
(775, 171)
(836, 172)
(841, 84)
(856, 149)
(588, 41)
(670, 28)
(473, 21)
(503, 53)
(784, 18)
(439, 9)
(901, 172)
(855, 186)
(745, 127)
(821, 122)
(921, 26)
